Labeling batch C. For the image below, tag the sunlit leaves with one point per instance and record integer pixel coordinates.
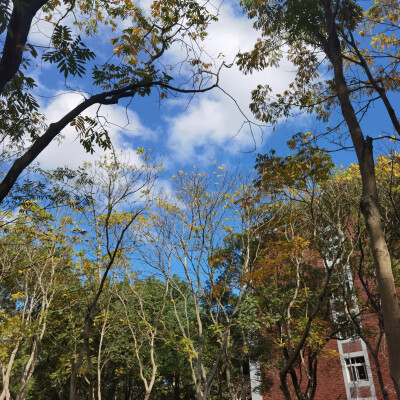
(300, 171)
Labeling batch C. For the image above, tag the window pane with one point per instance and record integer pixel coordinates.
(352, 374)
(357, 369)
(362, 373)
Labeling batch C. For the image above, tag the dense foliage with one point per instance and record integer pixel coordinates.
(167, 308)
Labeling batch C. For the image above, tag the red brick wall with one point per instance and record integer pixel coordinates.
(330, 381)
(330, 385)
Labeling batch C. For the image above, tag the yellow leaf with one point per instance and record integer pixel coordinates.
(18, 295)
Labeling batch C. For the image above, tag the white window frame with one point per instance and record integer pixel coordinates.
(349, 384)
(353, 368)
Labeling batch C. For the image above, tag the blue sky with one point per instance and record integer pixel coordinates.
(186, 131)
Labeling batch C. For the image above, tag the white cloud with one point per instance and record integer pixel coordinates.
(212, 120)
(205, 126)
(124, 126)
(42, 30)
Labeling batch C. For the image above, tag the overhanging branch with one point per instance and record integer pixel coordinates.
(105, 98)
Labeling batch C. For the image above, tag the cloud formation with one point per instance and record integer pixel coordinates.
(213, 121)
(193, 132)
(123, 125)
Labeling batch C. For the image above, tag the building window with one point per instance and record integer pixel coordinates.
(357, 369)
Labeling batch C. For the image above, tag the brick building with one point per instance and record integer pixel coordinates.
(346, 369)
(351, 374)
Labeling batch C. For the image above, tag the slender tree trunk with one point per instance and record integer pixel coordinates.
(220, 388)
(312, 376)
(199, 372)
(228, 372)
(35, 351)
(284, 385)
(176, 386)
(379, 375)
(6, 372)
(103, 328)
(29, 368)
(369, 202)
(315, 375)
(76, 365)
(296, 384)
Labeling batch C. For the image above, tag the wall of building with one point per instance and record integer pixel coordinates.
(331, 373)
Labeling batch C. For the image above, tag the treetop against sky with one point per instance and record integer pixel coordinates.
(181, 130)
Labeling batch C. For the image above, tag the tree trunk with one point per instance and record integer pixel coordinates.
(176, 386)
(6, 372)
(312, 376)
(369, 203)
(76, 365)
(284, 385)
(199, 375)
(147, 396)
(29, 367)
(17, 34)
(379, 375)
(228, 373)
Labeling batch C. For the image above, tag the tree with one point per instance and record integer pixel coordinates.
(36, 252)
(292, 280)
(185, 235)
(144, 318)
(328, 27)
(118, 193)
(133, 68)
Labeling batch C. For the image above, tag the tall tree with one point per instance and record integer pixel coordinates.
(310, 28)
(144, 304)
(36, 252)
(293, 278)
(119, 193)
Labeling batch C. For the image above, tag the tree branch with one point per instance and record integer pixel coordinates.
(109, 97)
